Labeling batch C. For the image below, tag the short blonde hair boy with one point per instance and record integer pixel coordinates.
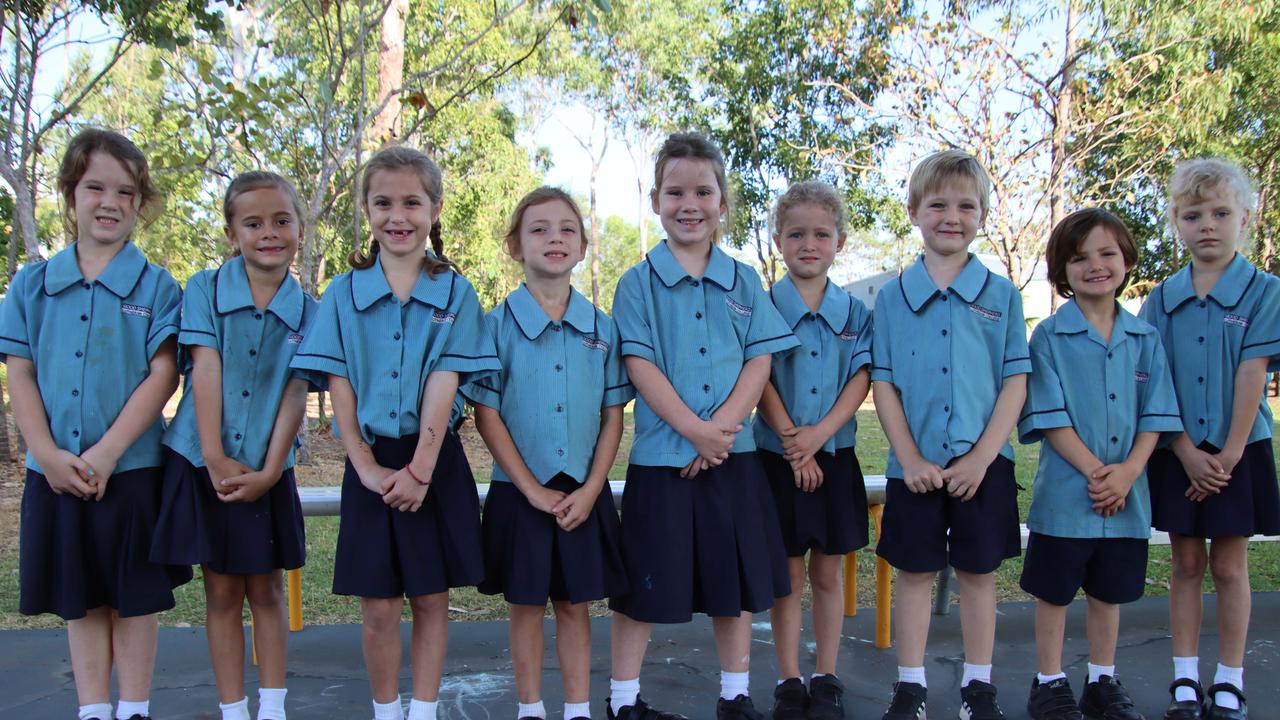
(944, 167)
(1195, 181)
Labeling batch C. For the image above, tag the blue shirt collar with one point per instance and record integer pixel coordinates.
(834, 310)
(120, 276)
(720, 267)
(369, 285)
(533, 320)
(1070, 320)
(1235, 280)
(918, 288)
(231, 292)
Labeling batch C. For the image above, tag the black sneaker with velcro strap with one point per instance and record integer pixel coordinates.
(1106, 699)
(1052, 700)
(640, 710)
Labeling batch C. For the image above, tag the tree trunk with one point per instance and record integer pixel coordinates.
(6, 449)
(1061, 124)
(24, 210)
(390, 71)
(595, 236)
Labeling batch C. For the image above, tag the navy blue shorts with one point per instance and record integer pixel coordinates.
(1113, 570)
(1248, 505)
(195, 527)
(924, 532)
(529, 559)
(831, 519)
(388, 553)
(708, 545)
(77, 555)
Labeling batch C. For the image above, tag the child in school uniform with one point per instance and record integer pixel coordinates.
(1100, 395)
(949, 378)
(88, 339)
(553, 420)
(230, 502)
(805, 433)
(395, 336)
(699, 530)
(1219, 317)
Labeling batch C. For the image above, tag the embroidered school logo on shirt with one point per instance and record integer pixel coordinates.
(294, 339)
(443, 317)
(1236, 320)
(985, 312)
(1140, 376)
(739, 308)
(848, 336)
(595, 344)
(135, 310)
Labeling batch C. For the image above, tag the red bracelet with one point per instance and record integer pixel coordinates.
(414, 475)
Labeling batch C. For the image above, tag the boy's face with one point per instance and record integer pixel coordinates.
(948, 217)
(1098, 268)
(1212, 228)
(808, 240)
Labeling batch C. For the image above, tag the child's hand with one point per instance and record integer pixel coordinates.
(713, 440)
(695, 466)
(247, 487)
(402, 492)
(809, 476)
(1227, 460)
(964, 476)
(374, 478)
(921, 476)
(1205, 472)
(1109, 485)
(802, 442)
(221, 468)
(575, 508)
(67, 473)
(102, 465)
(545, 499)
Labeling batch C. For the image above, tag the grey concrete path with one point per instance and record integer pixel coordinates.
(326, 674)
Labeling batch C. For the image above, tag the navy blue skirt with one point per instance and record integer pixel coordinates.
(383, 552)
(831, 519)
(708, 545)
(77, 555)
(195, 527)
(529, 559)
(1248, 505)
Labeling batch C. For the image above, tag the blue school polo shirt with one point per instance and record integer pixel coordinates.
(835, 343)
(556, 378)
(386, 348)
(947, 353)
(1206, 340)
(255, 346)
(699, 332)
(91, 343)
(1108, 392)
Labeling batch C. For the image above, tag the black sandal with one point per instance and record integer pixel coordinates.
(1185, 709)
(1213, 711)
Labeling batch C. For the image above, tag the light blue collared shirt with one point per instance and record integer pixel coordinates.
(556, 378)
(947, 353)
(1108, 392)
(1207, 340)
(835, 343)
(699, 332)
(386, 348)
(255, 347)
(91, 343)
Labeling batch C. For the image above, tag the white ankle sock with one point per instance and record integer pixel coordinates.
(537, 710)
(1186, 667)
(975, 672)
(733, 684)
(1235, 676)
(126, 709)
(271, 703)
(238, 710)
(1046, 679)
(577, 710)
(912, 675)
(422, 709)
(1097, 671)
(623, 693)
(101, 711)
(388, 711)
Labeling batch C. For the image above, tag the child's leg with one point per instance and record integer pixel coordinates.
(1051, 624)
(1229, 563)
(977, 616)
(1186, 583)
(733, 645)
(90, 641)
(525, 635)
(133, 643)
(1102, 621)
(430, 643)
(785, 618)
(381, 644)
(573, 646)
(224, 629)
(270, 627)
(629, 639)
(828, 608)
(911, 616)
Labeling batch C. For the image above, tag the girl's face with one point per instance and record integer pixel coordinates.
(264, 229)
(551, 240)
(1098, 268)
(106, 200)
(809, 240)
(689, 203)
(400, 212)
(1212, 229)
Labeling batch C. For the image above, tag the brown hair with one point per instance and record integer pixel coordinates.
(947, 166)
(698, 147)
(399, 157)
(260, 180)
(75, 161)
(811, 192)
(1070, 234)
(539, 196)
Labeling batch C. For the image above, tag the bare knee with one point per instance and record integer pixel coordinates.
(824, 577)
(264, 590)
(798, 574)
(1229, 569)
(381, 614)
(426, 606)
(223, 593)
(1190, 565)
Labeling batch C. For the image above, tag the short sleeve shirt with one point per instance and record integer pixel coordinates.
(386, 348)
(699, 332)
(92, 343)
(947, 353)
(835, 343)
(556, 379)
(255, 347)
(1108, 392)
(1208, 338)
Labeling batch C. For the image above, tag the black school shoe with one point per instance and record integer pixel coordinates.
(1185, 709)
(978, 702)
(639, 711)
(790, 700)
(739, 708)
(907, 703)
(826, 698)
(1052, 701)
(1213, 711)
(1106, 699)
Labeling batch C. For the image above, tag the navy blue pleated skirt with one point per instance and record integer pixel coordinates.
(77, 555)
(833, 518)
(195, 527)
(1248, 505)
(708, 545)
(383, 552)
(529, 559)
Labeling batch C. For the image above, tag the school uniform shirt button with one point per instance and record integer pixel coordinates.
(1201, 421)
(1112, 396)
(944, 298)
(944, 333)
(945, 371)
(1200, 339)
(75, 433)
(946, 446)
(396, 336)
(559, 367)
(946, 408)
(1114, 439)
(702, 350)
(244, 393)
(697, 316)
(559, 408)
(1200, 379)
(695, 283)
(253, 353)
(813, 391)
(237, 436)
(257, 316)
(79, 353)
(392, 413)
(86, 285)
(76, 393)
(813, 353)
(395, 374)
(1108, 356)
(1202, 303)
(84, 317)
(560, 451)
(555, 328)
(706, 388)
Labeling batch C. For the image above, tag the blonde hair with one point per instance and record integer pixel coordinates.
(399, 157)
(695, 146)
(1195, 181)
(75, 162)
(544, 194)
(940, 168)
(811, 192)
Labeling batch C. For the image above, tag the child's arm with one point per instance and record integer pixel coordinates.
(63, 470)
(809, 439)
(965, 474)
(744, 397)
(206, 384)
(289, 416)
(1066, 441)
(1109, 485)
(574, 509)
(503, 448)
(371, 474)
(405, 489)
(712, 442)
(1250, 382)
(807, 473)
(919, 474)
(138, 414)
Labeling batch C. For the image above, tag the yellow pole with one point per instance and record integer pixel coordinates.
(851, 584)
(293, 589)
(253, 640)
(884, 589)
